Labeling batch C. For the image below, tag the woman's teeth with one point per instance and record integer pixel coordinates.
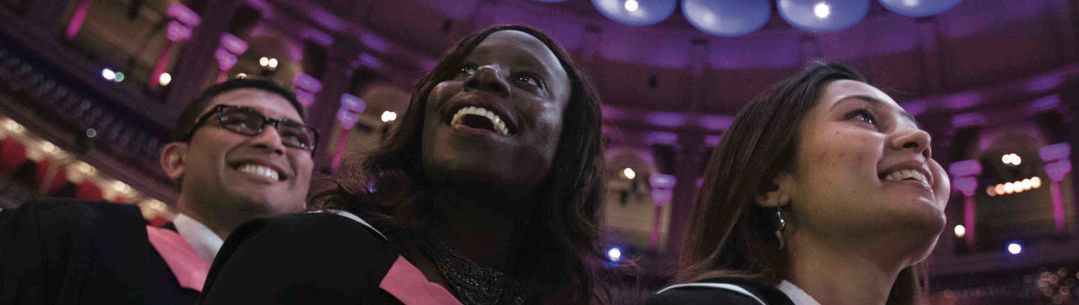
(906, 174)
(259, 170)
(496, 121)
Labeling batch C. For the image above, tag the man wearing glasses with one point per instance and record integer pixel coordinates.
(241, 151)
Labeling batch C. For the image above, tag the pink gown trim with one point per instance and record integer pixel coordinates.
(186, 264)
(406, 283)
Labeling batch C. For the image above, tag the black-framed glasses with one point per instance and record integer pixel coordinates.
(249, 122)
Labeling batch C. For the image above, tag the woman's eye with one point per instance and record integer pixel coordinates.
(864, 116)
(468, 70)
(528, 79)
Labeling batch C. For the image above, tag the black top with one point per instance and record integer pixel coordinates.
(716, 296)
(301, 259)
(75, 252)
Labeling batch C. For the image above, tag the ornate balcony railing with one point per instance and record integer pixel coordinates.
(43, 81)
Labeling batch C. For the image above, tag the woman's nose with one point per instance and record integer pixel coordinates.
(488, 78)
(913, 139)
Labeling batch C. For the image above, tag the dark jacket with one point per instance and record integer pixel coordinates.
(74, 252)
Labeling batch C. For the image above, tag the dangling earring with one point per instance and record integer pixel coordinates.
(780, 226)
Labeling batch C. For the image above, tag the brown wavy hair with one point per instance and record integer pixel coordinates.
(729, 235)
(387, 185)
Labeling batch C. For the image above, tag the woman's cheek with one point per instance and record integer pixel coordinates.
(943, 184)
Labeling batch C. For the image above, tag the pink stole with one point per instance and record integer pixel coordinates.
(406, 283)
(186, 264)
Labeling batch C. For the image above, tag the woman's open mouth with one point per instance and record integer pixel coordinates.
(480, 118)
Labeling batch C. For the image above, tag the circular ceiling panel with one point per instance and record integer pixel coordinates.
(727, 17)
(919, 8)
(823, 15)
(636, 12)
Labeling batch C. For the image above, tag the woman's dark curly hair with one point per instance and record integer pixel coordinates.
(560, 246)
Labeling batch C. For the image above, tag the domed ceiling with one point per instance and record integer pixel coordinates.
(672, 76)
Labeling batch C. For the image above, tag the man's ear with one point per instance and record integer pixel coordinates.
(777, 193)
(172, 160)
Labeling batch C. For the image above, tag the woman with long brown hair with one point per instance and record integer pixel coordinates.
(823, 191)
(486, 193)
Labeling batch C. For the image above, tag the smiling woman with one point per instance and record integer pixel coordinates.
(823, 191)
(462, 204)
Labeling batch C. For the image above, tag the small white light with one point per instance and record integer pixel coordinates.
(911, 3)
(121, 187)
(1000, 189)
(822, 10)
(1035, 182)
(264, 61)
(960, 231)
(632, 5)
(13, 126)
(629, 173)
(108, 74)
(389, 116)
(273, 63)
(1009, 188)
(85, 168)
(1015, 248)
(241, 75)
(165, 79)
(49, 148)
(614, 254)
(155, 204)
(119, 76)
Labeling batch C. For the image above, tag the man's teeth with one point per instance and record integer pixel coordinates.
(905, 174)
(496, 121)
(259, 170)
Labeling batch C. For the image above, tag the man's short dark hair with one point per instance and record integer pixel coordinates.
(196, 107)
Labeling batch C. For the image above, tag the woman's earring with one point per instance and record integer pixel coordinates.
(780, 226)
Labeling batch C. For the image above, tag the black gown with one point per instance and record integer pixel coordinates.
(314, 258)
(75, 252)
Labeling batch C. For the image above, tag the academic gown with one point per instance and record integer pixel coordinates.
(61, 251)
(316, 258)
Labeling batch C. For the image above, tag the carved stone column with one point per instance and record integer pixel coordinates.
(196, 58)
(228, 54)
(348, 113)
(182, 21)
(341, 60)
(689, 162)
(1057, 165)
(965, 179)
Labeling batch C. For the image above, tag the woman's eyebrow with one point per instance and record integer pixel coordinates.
(877, 103)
